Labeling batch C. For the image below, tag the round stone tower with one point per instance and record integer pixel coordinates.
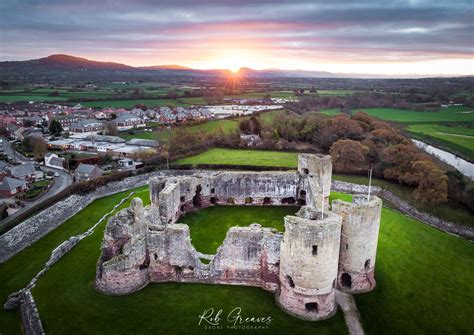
(316, 171)
(359, 237)
(308, 264)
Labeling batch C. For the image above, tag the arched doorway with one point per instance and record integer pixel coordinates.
(346, 280)
(197, 197)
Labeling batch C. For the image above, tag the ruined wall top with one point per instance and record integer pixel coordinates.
(314, 164)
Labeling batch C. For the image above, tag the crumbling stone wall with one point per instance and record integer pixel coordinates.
(143, 245)
(132, 256)
(29, 315)
(316, 171)
(360, 230)
(34, 228)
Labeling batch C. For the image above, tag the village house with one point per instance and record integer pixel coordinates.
(11, 187)
(128, 121)
(54, 161)
(89, 126)
(27, 172)
(67, 121)
(86, 172)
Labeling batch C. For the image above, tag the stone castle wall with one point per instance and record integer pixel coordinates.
(360, 230)
(248, 256)
(302, 266)
(308, 264)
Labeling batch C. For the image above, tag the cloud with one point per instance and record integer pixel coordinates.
(283, 32)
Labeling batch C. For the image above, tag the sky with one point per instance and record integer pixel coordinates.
(375, 37)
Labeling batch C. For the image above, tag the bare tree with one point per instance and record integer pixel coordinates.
(111, 128)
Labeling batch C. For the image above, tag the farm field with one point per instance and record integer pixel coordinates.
(129, 104)
(243, 157)
(433, 127)
(395, 305)
(453, 138)
(228, 125)
(110, 91)
(453, 113)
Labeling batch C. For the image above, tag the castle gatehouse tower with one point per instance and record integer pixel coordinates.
(308, 264)
(359, 236)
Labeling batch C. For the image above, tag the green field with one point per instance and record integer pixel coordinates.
(26, 97)
(243, 157)
(129, 104)
(207, 236)
(210, 127)
(453, 138)
(416, 289)
(163, 135)
(454, 113)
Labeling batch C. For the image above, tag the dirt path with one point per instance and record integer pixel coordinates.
(351, 313)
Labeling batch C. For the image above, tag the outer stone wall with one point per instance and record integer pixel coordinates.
(360, 231)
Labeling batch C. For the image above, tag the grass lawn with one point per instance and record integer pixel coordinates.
(453, 113)
(423, 285)
(424, 281)
(18, 271)
(37, 188)
(243, 157)
(206, 236)
(455, 139)
(68, 302)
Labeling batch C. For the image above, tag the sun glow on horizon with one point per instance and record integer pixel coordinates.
(233, 60)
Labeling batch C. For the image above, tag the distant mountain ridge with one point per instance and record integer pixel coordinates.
(61, 63)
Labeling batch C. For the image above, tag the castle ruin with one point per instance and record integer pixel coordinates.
(322, 249)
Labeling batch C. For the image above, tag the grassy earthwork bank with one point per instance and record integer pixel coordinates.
(416, 289)
(243, 157)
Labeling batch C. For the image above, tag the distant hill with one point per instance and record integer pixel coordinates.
(66, 62)
(165, 67)
(62, 67)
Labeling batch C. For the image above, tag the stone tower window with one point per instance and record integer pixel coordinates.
(314, 250)
(347, 246)
(311, 307)
(290, 281)
(305, 171)
(367, 264)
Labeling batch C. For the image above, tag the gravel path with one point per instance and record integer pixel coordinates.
(351, 313)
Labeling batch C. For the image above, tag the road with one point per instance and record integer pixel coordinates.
(60, 183)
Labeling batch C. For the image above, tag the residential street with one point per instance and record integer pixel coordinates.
(60, 183)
